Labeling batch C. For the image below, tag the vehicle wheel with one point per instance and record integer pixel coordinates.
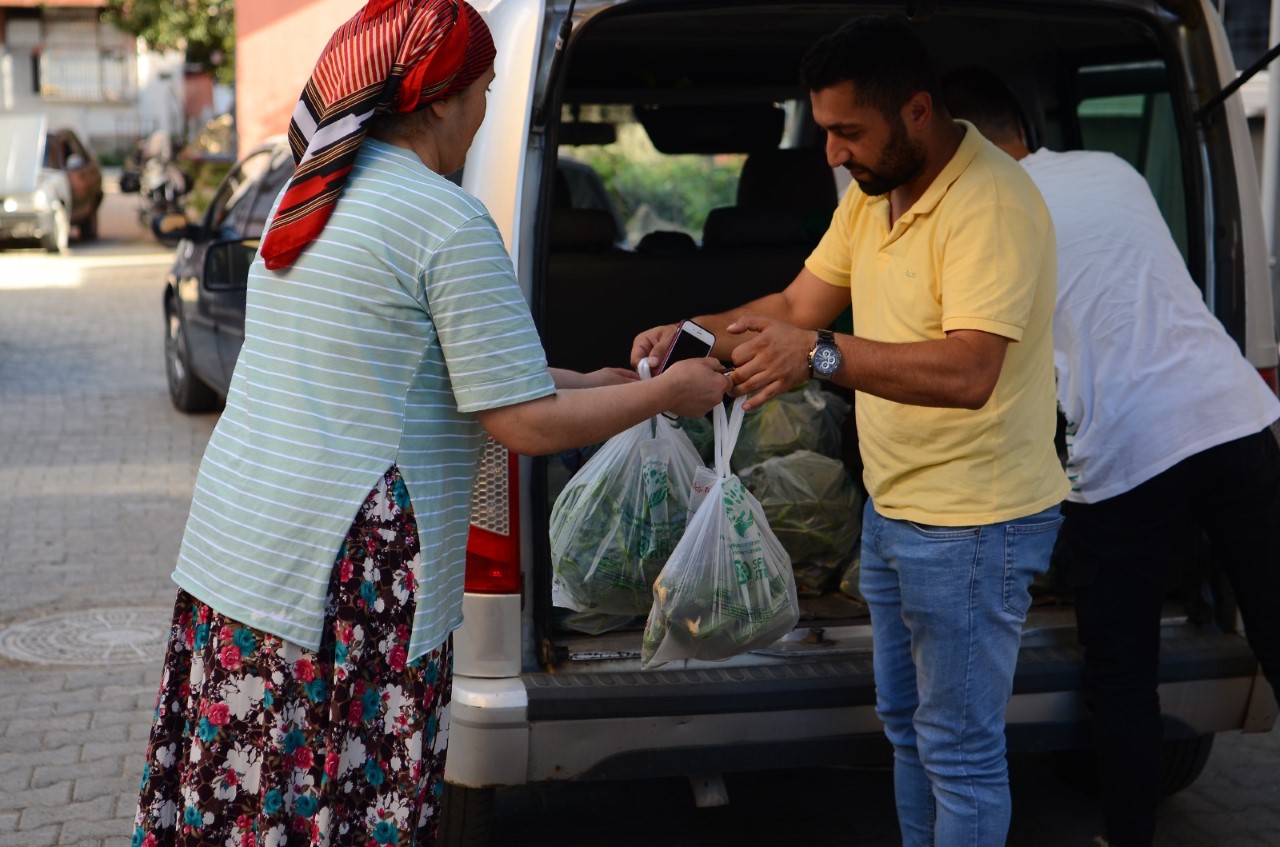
(187, 391)
(58, 240)
(89, 228)
(1181, 763)
(465, 816)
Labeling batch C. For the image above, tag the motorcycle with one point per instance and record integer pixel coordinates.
(153, 173)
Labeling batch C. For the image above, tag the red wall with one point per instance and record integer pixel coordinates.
(277, 45)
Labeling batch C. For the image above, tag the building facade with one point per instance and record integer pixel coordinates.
(59, 57)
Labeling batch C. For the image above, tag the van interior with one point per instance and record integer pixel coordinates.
(690, 178)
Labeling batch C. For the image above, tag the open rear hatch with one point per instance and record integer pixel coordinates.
(689, 178)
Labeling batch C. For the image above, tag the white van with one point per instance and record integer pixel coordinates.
(690, 115)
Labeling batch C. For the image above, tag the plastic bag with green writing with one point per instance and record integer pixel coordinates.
(727, 587)
(618, 519)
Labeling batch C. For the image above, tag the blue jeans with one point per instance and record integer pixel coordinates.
(947, 607)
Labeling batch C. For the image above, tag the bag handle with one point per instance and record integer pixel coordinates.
(647, 373)
(727, 425)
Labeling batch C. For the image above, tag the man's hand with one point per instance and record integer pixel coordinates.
(652, 343)
(774, 361)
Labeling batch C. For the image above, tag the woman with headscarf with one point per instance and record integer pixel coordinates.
(304, 695)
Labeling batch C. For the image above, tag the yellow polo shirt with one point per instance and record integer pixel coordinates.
(976, 251)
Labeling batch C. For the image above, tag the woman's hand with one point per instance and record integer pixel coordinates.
(695, 386)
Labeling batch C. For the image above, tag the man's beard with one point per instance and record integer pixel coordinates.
(900, 162)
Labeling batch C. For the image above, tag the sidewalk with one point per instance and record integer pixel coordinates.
(96, 473)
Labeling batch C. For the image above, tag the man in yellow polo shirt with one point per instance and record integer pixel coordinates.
(946, 251)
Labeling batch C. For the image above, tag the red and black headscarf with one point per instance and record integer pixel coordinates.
(392, 56)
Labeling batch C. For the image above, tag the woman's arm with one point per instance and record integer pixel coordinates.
(605, 376)
(576, 417)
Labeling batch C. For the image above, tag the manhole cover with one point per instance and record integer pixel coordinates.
(90, 637)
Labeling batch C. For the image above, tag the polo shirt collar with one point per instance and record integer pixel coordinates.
(960, 160)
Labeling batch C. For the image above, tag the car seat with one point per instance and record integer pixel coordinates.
(785, 200)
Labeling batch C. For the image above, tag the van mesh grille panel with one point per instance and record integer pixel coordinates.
(492, 493)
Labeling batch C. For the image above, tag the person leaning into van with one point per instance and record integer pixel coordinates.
(307, 679)
(1167, 428)
(945, 250)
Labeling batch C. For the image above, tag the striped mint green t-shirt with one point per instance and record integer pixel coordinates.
(375, 347)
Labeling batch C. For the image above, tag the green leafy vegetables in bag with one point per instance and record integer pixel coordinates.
(810, 502)
(727, 587)
(618, 519)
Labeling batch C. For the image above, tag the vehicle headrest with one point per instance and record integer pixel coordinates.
(737, 227)
(664, 242)
(582, 230)
(796, 178)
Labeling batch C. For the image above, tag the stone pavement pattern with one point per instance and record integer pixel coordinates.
(96, 472)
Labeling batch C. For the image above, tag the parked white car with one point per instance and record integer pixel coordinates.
(49, 183)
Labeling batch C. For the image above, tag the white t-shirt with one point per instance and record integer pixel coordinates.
(1147, 376)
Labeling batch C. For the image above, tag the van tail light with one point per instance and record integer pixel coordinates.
(493, 546)
(1269, 377)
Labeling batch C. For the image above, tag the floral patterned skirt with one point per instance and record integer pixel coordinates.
(259, 742)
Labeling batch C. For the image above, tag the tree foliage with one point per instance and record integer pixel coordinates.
(205, 30)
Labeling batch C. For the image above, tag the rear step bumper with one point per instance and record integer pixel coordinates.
(832, 683)
(581, 724)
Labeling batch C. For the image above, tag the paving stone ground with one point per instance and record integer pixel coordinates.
(96, 472)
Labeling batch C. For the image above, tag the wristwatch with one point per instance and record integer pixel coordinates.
(824, 358)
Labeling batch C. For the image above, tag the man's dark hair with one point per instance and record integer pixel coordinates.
(884, 57)
(980, 97)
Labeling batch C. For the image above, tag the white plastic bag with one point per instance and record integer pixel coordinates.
(618, 519)
(727, 587)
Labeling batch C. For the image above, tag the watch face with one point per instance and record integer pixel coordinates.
(826, 360)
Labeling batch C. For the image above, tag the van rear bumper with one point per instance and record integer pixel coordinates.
(628, 724)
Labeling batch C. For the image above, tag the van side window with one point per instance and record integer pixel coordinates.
(1127, 110)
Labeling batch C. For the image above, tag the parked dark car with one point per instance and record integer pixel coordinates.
(49, 183)
(204, 293)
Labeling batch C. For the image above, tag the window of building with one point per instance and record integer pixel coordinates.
(81, 58)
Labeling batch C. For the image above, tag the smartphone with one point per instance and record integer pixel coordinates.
(691, 342)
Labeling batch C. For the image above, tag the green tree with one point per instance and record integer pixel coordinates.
(205, 30)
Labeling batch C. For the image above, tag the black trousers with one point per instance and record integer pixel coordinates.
(1119, 552)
